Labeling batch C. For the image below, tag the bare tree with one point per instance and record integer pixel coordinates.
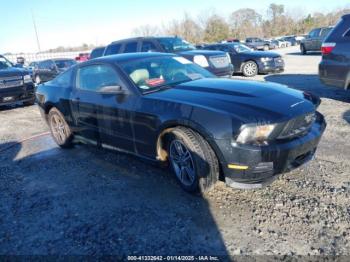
(245, 22)
(216, 29)
(146, 30)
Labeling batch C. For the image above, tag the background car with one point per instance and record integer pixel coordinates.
(334, 68)
(291, 40)
(248, 61)
(163, 107)
(216, 62)
(82, 57)
(313, 41)
(257, 43)
(16, 84)
(47, 70)
(97, 52)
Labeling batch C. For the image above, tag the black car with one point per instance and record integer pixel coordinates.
(250, 62)
(313, 41)
(163, 107)
(47, 70)
(334, 68)
(16, 84)
(216, 62)
(97, 52)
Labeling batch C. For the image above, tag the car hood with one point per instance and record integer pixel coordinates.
(247, 101)
(13, 71)
(261, 54)
(201, 52)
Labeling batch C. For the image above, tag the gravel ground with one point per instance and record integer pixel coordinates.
(95, 202)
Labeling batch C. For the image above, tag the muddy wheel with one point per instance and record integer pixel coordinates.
(192, 159)
(60, 130)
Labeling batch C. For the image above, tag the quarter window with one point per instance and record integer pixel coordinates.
(95, 77)
(347, 33)
(64, 79)
(130, 47)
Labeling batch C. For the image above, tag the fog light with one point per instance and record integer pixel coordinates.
(239, 167)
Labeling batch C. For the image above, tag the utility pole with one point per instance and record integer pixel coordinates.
(36, 32)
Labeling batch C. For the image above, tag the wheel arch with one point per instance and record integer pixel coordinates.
(166, 128)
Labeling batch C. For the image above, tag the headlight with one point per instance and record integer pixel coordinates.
(255, 133)
(201, 60)
(27, 79)
(266, 59)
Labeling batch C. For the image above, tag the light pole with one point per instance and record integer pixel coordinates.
(36, 31)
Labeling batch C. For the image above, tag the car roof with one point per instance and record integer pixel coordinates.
(143, 37)
(130, 56)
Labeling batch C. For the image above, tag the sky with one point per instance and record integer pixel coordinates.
(99, 22)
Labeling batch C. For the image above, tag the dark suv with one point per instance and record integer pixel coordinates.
(334, 68)
(217, 62)
(314, 39)
(16, 84)
(47, 70)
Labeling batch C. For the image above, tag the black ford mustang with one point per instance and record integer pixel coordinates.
(163, 107)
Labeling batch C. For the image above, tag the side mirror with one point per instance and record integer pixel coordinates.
(111, 90)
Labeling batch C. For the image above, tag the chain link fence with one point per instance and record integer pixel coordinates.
(33, 57)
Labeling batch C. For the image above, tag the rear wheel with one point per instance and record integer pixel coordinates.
(60, 130)
(303, 50)
(192, 159)
(250, 69)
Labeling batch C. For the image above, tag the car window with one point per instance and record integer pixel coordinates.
(347, 33)
(325, 31)
(62, 64)
(64, 79)
(98, 52)
(113, 49)
(130, 47)
(152, 74)
(315, 32)
(95, 77)
(148, 46)
(224, 48)
(4, 63)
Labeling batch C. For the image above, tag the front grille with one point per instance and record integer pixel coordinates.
(219, 61)
(11, 81)
(298, 126)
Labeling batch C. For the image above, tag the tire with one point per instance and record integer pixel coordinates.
(250, 69)
(59, 128)
(303, 50)
(192, 160)
(37, 80)
(266, 48)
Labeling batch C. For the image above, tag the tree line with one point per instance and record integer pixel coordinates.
(242, 23)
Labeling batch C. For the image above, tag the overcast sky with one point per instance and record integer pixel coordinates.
(73, 22)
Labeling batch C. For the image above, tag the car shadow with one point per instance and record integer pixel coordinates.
(89, 201)
(310, 83)
(346, 116)
(307, 54)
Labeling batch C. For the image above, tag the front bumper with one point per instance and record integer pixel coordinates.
(17, 94)
(265, 163)
(270, 67)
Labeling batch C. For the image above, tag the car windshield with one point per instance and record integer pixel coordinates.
(61, 64)
(175, 44)
(156, 73)
(4, 63)
(239, 48)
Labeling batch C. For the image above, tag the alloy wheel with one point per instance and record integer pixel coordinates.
(250, 69)
(58, 128)
(182, 162)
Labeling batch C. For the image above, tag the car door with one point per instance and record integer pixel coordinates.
(308, 40)
(316, 38)
(104, 117)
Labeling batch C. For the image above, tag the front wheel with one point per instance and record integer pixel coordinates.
(192, 159)
(60, 130)
(266, 48)
(303, 50)
(250, 69)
